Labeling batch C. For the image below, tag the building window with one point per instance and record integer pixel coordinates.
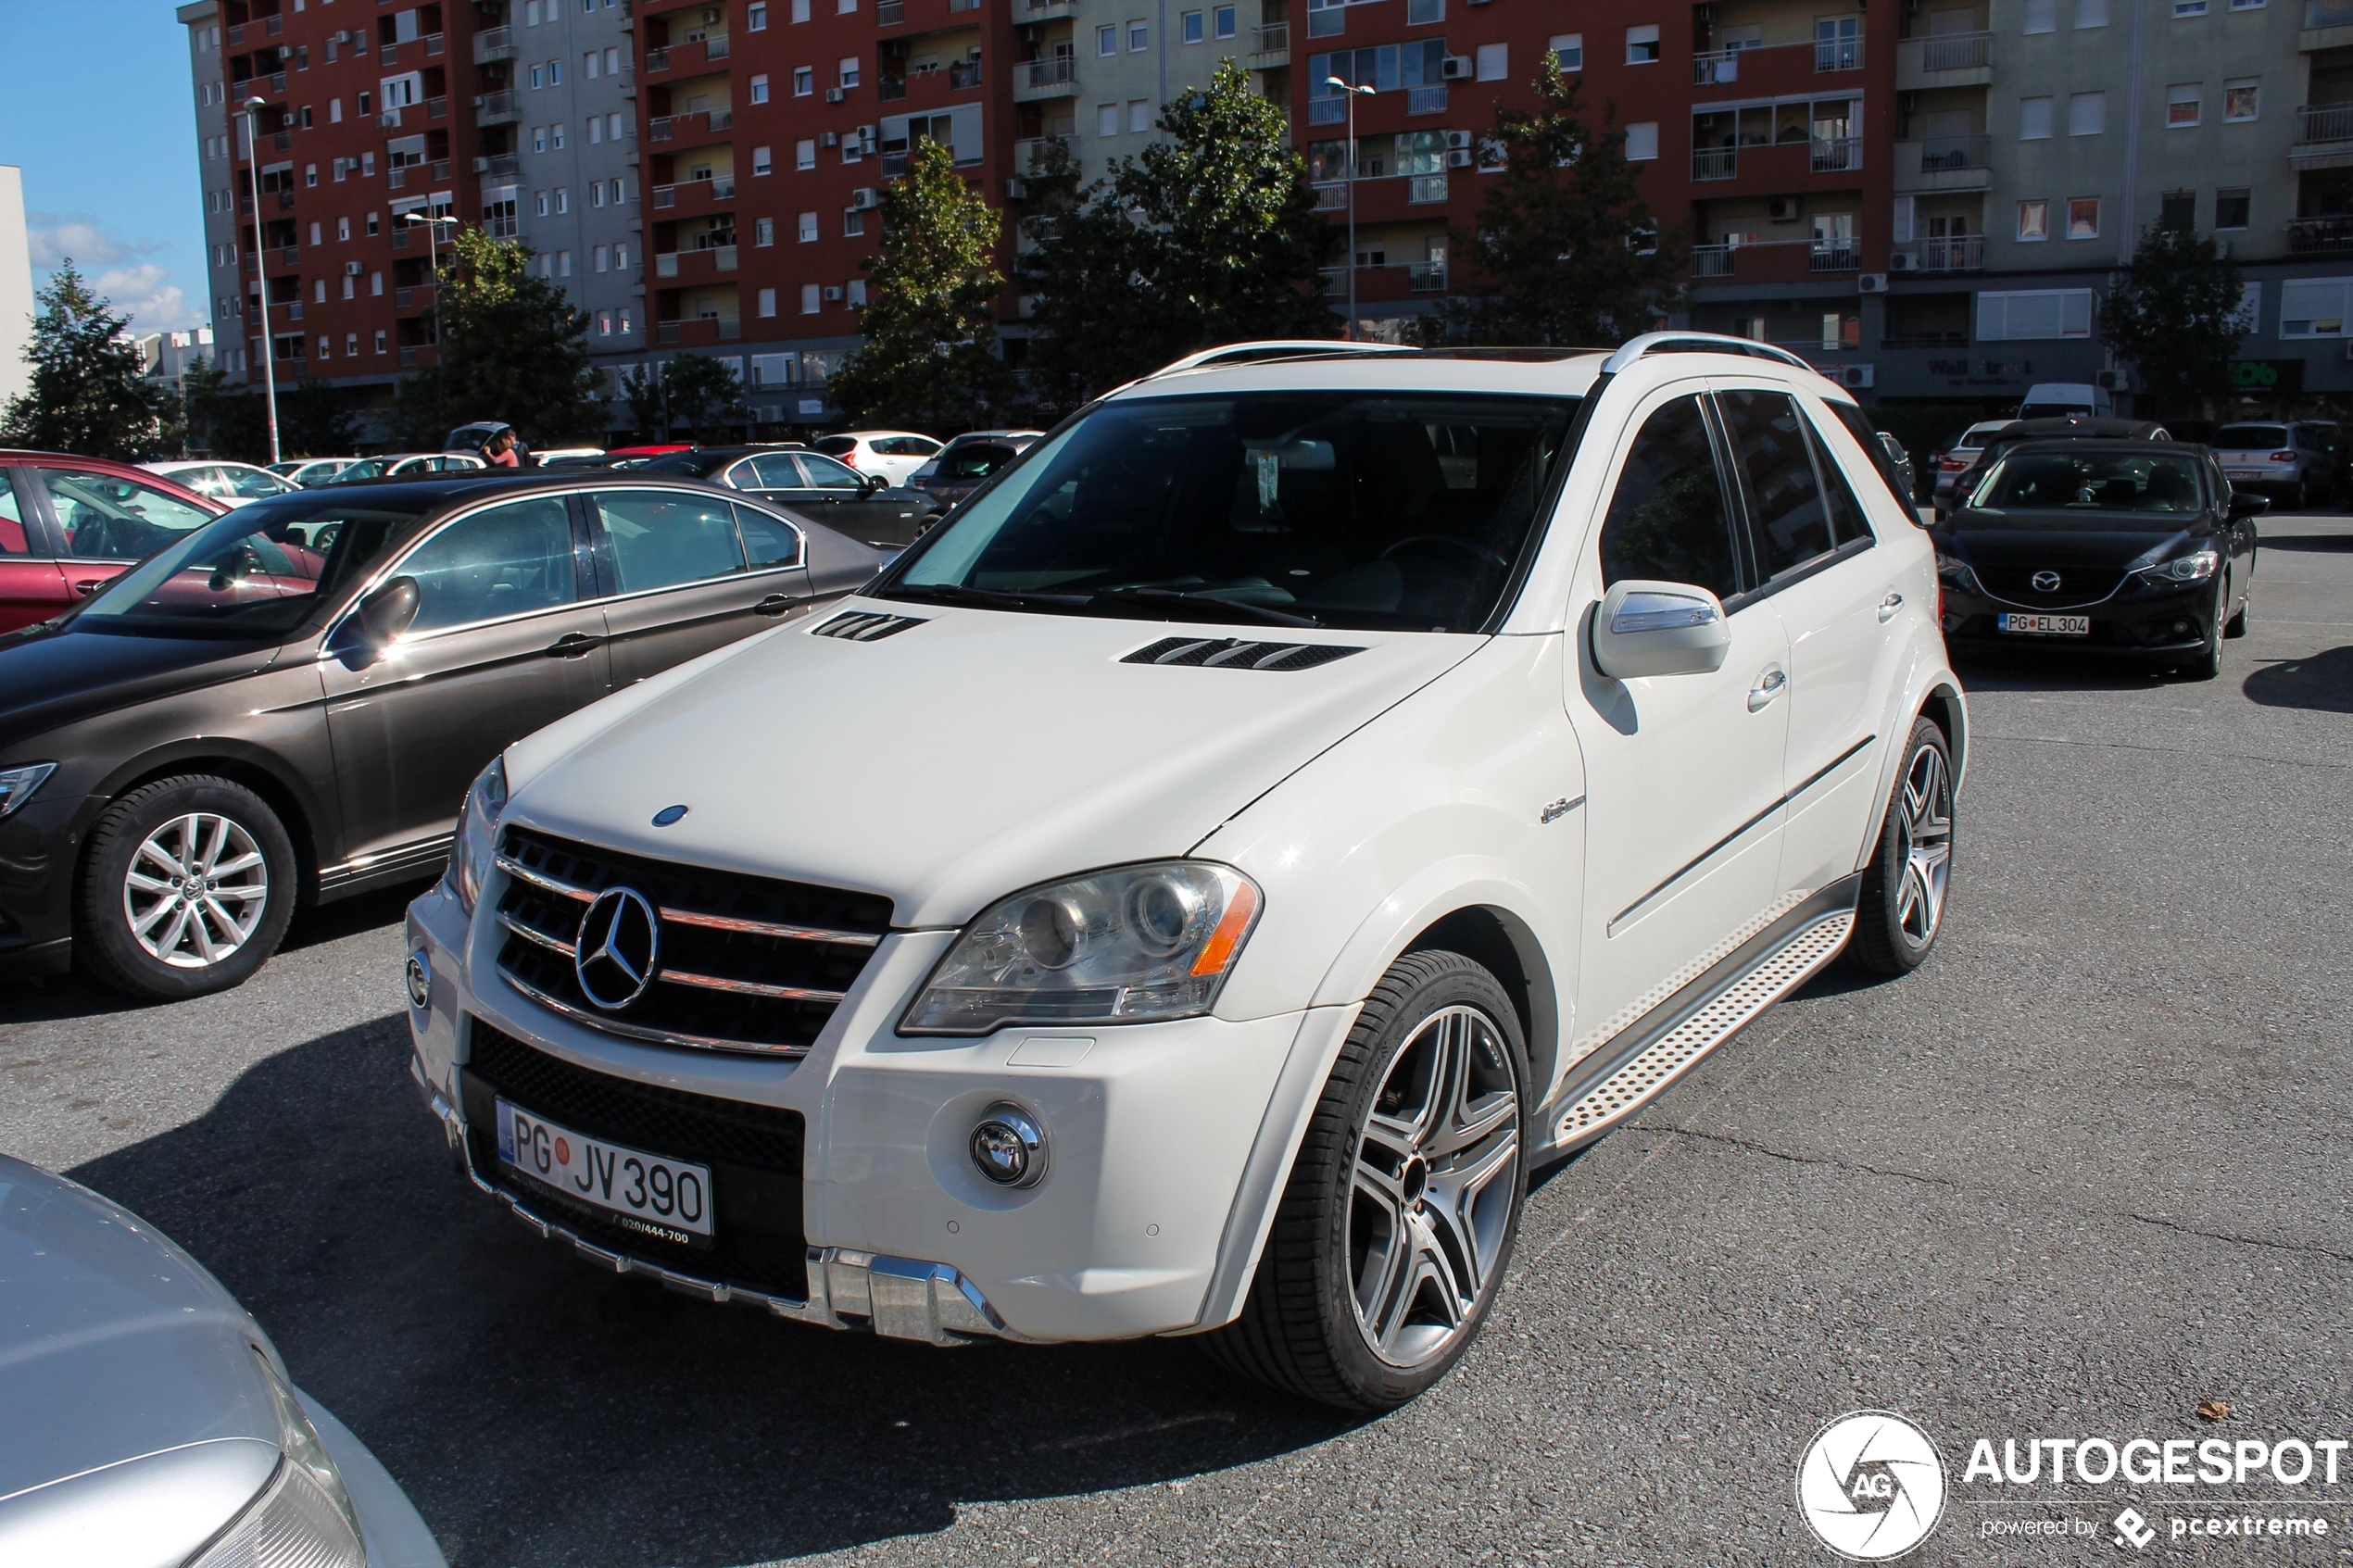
(2041, 16)
(1223, 17)
(804, 81)
(2033, 315)
(2230, 207)
(760, 161)
(626, 329)
(2090, 13)
(2189, 9)
(589, 64)
(760, 88)
(1107, 41)
(767, 302)
(1139, 114)
(601, 260)
(808, 228)
(756, 19)
(854, 223)
(1107, 119)
(559, 136)
(539, 199)
(597, 193)
(1196, 26)
(2033, 118)
(1139, 37)
(539, 78)
(621, 264)
(612, 130)
(1423, 13)
(539, 138)
(846, 71)
(804, 152)
(380, 340)
(810, 301)
(1642, 141)
(2086, 114)
(334, 111)
(800, 10)
(2083, 217)
(763, 231)
(350, 286)
(2184, 104)
(2177, 211)
(2035, 220)
(1569, 49)
(1494, 62)
(1641, 45)
(326, 346)
(2242, 98)
(342, 228)
(371, 225)
(314, 234)
(311, 174)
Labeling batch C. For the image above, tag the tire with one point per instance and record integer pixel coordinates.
(135, 934)
(2208, 664)
(1906, 885)
(1360, 1188)
(2294, 499)
(2236, 625)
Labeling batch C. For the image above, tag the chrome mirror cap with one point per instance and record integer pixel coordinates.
(1646, 627)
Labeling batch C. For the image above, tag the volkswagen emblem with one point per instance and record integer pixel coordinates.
(2045, 581)
(620, 945)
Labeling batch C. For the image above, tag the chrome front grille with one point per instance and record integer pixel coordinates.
(2083, 585)
(745, 963)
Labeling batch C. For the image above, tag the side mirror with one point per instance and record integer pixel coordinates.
(2246, 503)
(1644, 628)
(380, 618)
(875, 482)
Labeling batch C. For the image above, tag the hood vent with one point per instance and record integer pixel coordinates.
(867, 626)
(1225, 653)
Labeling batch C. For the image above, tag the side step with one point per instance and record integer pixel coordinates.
(1660, 1049)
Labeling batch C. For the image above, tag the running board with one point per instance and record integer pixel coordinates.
(1661, 1047)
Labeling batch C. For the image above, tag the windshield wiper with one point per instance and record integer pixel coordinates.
(1171, 598)
(985, 598)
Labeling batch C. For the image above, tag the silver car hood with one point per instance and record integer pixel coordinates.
(115, 1345)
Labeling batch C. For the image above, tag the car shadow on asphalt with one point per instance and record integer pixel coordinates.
(2032, 671)
(2324, 543)
(2323, 681)
(537, 1410)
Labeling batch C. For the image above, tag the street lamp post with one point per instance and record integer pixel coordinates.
(1353, 94)
(261, 270)
(432, 250)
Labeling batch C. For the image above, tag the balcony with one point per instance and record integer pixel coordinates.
(1425, 100)
(1054, 78)
(1047, 10)
(1715, 163)
(2323, 136)
(1029, 153)
(1925, 340)
(504, 107)
(1765, 68)
(1945, 163)
(1835, 256)
(1270, 46)
(718, 188)
(2320, 236)
(1836, 155)
(1952, 253)
(1776, 261)
(498, 164)
(682, 56)
(494, 44)
(2328, 24)
(668, 263)
(890, 13)
(690, 127)
(1944, 59)
(703, 328)
(1428, 277)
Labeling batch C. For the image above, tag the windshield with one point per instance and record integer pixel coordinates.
(2248, 438)
(256, 571)
(834, 445)
(1367, 511)
(692, 464)
(2093, 489)
(976, 461)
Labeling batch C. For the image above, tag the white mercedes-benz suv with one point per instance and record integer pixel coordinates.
(1189, 890)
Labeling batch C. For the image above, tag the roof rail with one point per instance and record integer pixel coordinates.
(1692, 342)
(1273, 349)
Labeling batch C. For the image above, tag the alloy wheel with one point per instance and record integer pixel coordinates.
(1436, 1171)
(1926, 824)
(196, 890)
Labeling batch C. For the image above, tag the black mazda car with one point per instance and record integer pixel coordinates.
(2138, 548)
(287, 702)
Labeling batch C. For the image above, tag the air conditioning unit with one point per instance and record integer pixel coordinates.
(482, 166)
(351, 269)
(1872, 283)
(1782, 209)
(1457, 67)
(1016, 190)
(836, 94)
(1458, 157)
(865, 138)
(833, 294)
(865, 198)
(1848, 375)
(1903, 261)
(1458, 141)
(2118, 381)
(829, 138)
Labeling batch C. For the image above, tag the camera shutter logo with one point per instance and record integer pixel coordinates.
(1871, 1486)
(620, 944)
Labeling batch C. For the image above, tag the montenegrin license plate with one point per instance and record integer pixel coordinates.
(662, 1198)
(2246, 474)
(2047, 625)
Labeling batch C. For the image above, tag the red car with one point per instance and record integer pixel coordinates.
(66, 524)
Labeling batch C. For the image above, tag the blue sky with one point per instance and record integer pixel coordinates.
(101, 116)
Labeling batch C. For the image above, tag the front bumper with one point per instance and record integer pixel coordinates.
(1163, 1153)
(2142, 621)
(39, 845)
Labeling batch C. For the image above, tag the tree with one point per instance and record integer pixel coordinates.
(225, 420)
(315, 421)
(1566, 252)
(2177, 315)
(511, 347)
(90, 391)
(929, 361)
(693, 393)
(1207, 238)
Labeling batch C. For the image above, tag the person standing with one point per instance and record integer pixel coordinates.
(499, 451)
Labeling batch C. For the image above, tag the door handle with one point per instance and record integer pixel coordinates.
(1888, 607)
(91, 586)
(774, 604)
(1769, 686)
(572, 645)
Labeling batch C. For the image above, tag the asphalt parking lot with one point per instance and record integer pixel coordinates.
(2083, 1171)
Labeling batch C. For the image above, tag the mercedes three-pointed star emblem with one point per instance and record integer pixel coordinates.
(620, 947)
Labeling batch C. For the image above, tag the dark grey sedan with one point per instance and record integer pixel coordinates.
(145, 1417)
(863, 506)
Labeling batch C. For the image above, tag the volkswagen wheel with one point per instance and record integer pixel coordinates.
(186, 888)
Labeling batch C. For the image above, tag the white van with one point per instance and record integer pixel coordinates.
(2057, 400)
(1193, 888)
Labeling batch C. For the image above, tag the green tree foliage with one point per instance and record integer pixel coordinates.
(2177, 315)
(691, 395)
(223, 418)
(929, 361)
(1209, 237)
(512, 347)
(1566, 252)
(315, 421)
(90, 391)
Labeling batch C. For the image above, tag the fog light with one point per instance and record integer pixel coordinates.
(420, 975)
(1009, 1148)
(2181, 628)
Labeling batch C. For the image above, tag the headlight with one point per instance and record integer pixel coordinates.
(17, 784)
(2195, 567)
(478, 833)
(304, 1514)
(1955, 572)
(1123, 946)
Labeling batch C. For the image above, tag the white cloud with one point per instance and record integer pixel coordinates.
(148, 296)
(79, 237)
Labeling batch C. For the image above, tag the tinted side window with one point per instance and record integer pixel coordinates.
(661, 538)
(1847, 523)
(777, 471)
(1792, 524)
(1860, 429)
(508, 560)
(1668, 519)
(13, 540)
(826, 474)
(768, 541)
(105, 517)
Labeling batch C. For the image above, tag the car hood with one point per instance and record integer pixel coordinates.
(114, 1344)
(52, 675)
(1985, 543)
(951, 764)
